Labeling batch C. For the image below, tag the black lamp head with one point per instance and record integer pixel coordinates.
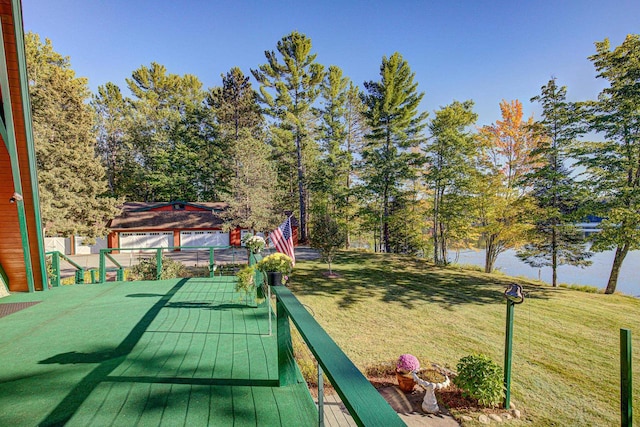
(514, 293)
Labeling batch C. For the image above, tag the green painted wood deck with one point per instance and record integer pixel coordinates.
(176, 352)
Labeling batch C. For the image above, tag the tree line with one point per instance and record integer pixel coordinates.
(311, 141)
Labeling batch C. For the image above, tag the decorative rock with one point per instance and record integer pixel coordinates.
(515, 413)
(507, 416)
(511, 405)
(496, 418)
(466, 418)
(484, 419)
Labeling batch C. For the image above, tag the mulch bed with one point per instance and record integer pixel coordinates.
(12, 307)
(450, 397)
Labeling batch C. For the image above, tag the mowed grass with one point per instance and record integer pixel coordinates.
(566, 347)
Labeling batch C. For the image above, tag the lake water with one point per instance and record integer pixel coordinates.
(596, 274)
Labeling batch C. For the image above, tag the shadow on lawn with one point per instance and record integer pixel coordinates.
(404, 280)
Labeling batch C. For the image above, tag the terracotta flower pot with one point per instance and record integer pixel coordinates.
(405, 382)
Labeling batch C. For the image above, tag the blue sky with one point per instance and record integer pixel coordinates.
(481, 50)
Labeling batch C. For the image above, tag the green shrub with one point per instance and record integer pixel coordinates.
(480, 378)
(147, 269)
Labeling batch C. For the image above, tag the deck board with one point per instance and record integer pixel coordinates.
(148, 353)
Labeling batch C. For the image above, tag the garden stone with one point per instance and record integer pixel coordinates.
(484, 419)
(516, 414)
(466, 418)
(496, 418)
(507, 416)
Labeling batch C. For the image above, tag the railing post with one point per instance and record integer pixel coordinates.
(55, 264)
(79, 276)
(103, 267)
(286, 362)
(212, 262)
(120, 275)
(320, 396)
(158, 264)
(626, 389)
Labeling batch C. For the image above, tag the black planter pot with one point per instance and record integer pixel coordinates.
(274, 278)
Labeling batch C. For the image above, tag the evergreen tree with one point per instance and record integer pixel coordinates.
(235, 104)
(356, 129)
(71, 180)
(331, 178)
(395, 128)
(450, 173)
(170, 131)
(557, 241)
(253, 183)
(614, 165)
(113, 122)
(289, 87)
(252, 179)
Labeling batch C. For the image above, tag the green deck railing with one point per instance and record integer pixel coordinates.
(364, 403)
(106, 254)
(54, 277)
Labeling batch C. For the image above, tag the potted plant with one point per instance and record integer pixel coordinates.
(255, 244)
(246, 279)
(277, 266)
(405, 367)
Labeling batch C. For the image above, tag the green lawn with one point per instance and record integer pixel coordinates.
(566, 342)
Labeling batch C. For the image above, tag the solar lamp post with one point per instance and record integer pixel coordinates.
(513, 294)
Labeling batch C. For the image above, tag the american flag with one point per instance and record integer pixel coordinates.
(282, 239)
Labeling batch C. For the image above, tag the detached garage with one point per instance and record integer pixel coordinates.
(146, 240)
(166, 225)
(204, 238)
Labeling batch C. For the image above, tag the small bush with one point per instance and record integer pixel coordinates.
(480, 378)
(147, 269)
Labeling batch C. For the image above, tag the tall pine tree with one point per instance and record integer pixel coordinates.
(396, 127)
(170, 130)
(71, 179)
(113, 123)
(614, 165)
(290, 83)
(556, 240)
(450, 174)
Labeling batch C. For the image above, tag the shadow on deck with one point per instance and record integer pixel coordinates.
(174, 352)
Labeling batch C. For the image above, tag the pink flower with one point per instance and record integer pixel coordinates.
(407, 363)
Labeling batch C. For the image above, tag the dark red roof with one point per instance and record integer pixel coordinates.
(146, 206)
(142, 216)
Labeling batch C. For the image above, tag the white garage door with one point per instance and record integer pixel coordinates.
(146, 240)
(204, 238)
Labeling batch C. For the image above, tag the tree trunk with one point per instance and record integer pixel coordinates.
(385, 222)
(490, 258)
(443, 245)
(621, 253)
(302, 237)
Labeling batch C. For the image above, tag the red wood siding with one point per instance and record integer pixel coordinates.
(11, 252)
(234, 237)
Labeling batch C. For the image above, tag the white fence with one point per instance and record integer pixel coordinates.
(63, 245)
